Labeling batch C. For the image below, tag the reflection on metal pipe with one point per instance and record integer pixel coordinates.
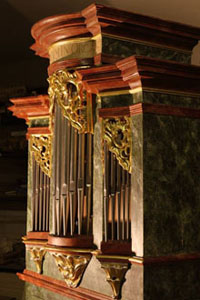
(116, 199)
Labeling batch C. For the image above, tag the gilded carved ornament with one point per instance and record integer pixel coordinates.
(76, 104)
(71, 267)
(37, 255)
(115, 276)
(41, 146)
(117, 134)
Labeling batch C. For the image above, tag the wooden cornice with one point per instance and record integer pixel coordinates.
(141, 108)
(98, 19)
(142, 72)
(30, 107)
(55, 28)
(59, 287)
(119, 23)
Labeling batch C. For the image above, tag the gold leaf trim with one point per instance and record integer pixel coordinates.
(71, 267)
(117, 134)
(37, 255)
(41, 146)
(115, 276)
(67, 90)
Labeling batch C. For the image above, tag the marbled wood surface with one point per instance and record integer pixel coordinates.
(33, 292)
(171, 184)
(150, 97)
(124, 49)
(177, 281)
(41, 122)
(168, 99)
(117, 100)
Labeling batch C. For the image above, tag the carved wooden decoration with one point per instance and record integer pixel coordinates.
(115, 275)
(117, 134)
(65, 88)
(41, 146)
(71, 267)
(37, 255)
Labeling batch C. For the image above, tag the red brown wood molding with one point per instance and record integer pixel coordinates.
(60, 287)
(141, 108)
(34, 106)
(99, 19)
(37, 130)
(37, 235)
(142, 72)
(73, 242)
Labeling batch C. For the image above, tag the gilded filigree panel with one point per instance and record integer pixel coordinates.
(117, 134)
(41, 146)
(67, 91)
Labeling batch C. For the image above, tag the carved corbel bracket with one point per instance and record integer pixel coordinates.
(37, 255)
(117, 135)
(115, 269)
(76, 104)
(41, 146)
(71, 266)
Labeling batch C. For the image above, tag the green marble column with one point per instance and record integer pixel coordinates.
(166, 200)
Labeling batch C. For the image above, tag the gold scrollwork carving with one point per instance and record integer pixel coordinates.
(66, 89)
(71, 267)
(115, 276)
(117, 134)
(41, 146)
(37, 255)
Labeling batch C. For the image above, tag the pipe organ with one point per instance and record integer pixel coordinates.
(111, 174)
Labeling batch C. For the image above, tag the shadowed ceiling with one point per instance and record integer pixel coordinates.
(19, 65)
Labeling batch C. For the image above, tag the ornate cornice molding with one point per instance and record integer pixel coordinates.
(99, 19)
(142, 73)
(30, 107)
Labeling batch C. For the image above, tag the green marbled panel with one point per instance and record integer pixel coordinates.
(171, 99)
(39, 122)
(33, 292)
(172, 281)
(120, 100)
(116, 100)
(125, 49)
(171, 184)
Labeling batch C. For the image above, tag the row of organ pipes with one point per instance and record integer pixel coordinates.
(72, 179)
(40, 198)
(72, 187)
(116, 199)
